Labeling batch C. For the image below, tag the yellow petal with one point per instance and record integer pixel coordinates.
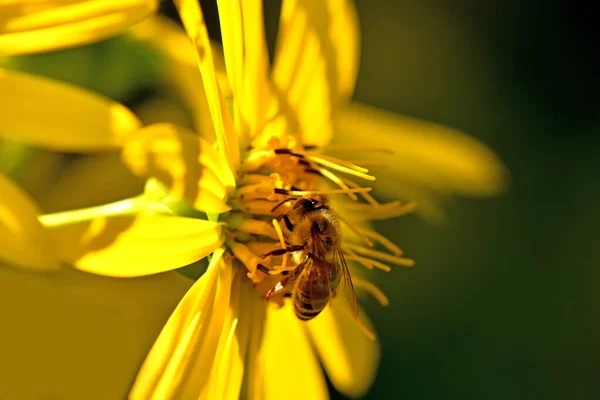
(246, 58)
(136, 246)
(350, 358)
(23, 240)
(193, 21)
(68, 330)
(31, 27)
(286, 355)
(181, 68)
(225, 378)
(316, 63)
(112, 182)
(179, 363)
(188, 165)
(58, 116)
(254, 378)
(425, 154)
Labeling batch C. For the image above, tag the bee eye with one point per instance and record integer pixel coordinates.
(304, 204)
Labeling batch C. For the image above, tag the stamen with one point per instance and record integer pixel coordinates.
(264, 187)
(366, 262)
(281, 242)
(259, 207)
(370, 164)
(331, 162)
(358, 148)
(368, 333)
(383, 211)
(256, 227)
(372, 289)
(243, 253)
(333, 191)
(256, 159)
(369, 263)
(259, 195)
(341, 168)
(385, 242)
(405, 262)
(278, 270)
(364, 195)
(260, 248)
(332, 177)
(249, 179)
(355, 230)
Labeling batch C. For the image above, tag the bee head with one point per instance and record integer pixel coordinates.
(313, 202)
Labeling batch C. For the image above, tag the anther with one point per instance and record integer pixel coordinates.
(288, 151)
(263, 269)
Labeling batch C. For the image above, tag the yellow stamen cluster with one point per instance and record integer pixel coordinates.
(271, 178)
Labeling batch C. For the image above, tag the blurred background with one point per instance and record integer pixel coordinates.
(504, 300)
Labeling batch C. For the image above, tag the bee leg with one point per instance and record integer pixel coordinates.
(280, 286)
(288, 249)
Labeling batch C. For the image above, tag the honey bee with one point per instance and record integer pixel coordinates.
(313, 240)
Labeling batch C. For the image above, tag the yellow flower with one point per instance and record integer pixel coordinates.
(224, 340)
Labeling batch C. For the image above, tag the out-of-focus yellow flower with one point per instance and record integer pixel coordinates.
(33, 26)
(70, 335)
(57, 116)
(224, 340)
(46, 113)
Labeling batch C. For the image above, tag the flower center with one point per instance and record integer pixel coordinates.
(270, 182)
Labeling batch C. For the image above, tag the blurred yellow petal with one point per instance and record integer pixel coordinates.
(181, 68)
(285, 340)
(431, 205)
(232, 31)
(246, 58)
(34, 169)
(164, 107)
(225, 378)
(254, 378)
(23, 240)
(316, 63)
(425, 154)
(112, 182)
(348, 355)
(136, 246)
(62, 331)
(179, 363)
(31, 26)
(58, 116)
(188, 165)
(193, 21)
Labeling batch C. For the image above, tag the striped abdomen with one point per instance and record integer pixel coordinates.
(312, 290)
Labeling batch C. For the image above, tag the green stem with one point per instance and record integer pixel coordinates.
(130, 206)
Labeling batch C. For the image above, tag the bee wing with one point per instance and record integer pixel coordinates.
(319, 284)
(346, 285)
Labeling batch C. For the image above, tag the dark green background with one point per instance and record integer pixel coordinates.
(504, 302)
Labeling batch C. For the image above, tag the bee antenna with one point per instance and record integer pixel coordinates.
(282, 203)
